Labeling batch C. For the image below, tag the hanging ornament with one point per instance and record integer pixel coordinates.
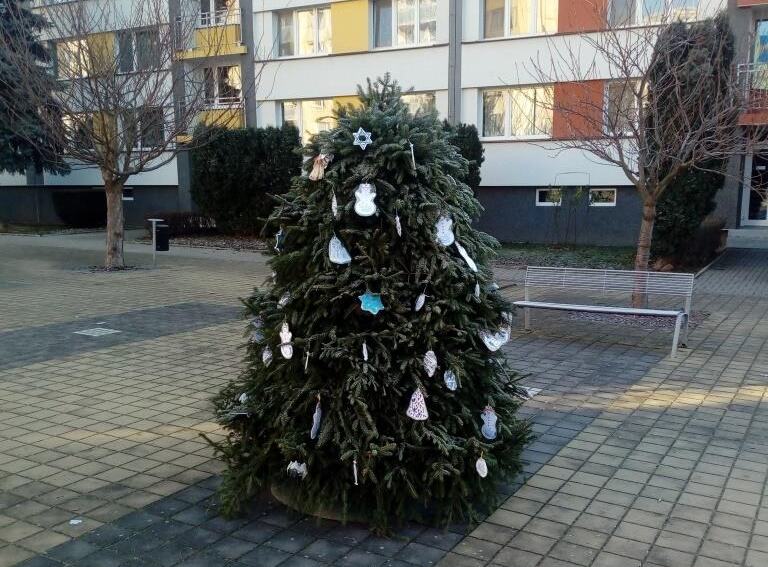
(398, 226)
(334, 205)
(306, 362)
(297, 469)
(266, 356)
(286, 348)
(337, 253)
(470, 262)
(256, 334)
(493, 286)
(243, 398)
(444, 229)
(450, 380)
(489, 418)
(413, 156)
(371, 302)
(477, 290)
(362, 138)
(365, 351)
(284, 300)
(417, 409)
(318, 166)
(430, 363)
(420, 302)
(354, 469)
(279, 240)
(316, 417)
(481, 466)
(494, 341)
(364, 196)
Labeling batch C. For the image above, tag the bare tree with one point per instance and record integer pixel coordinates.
(649, 93)
(129, 86)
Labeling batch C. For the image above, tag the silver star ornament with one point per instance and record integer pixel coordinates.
(362, 138)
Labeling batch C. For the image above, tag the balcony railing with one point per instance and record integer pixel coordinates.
(212, 30)
(218, 18)
(753, 78)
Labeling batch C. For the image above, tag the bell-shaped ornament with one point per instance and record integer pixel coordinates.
(430, 363)
(444, 230)
(337, 253)
(449, 377)
(417, 408)
(489, 418)
(364, 196)
(286, 348)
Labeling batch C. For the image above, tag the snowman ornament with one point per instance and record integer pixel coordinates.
(489, 418)
(364, 196)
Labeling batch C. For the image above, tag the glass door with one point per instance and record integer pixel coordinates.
(756, 201)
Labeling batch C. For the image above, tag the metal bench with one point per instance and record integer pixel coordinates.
(575, 281)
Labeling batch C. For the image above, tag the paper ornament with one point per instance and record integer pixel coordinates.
(266, 356)
(470, 262)
(364, 196)
(297, 469)
(318, 166)
(371, 302)
(420, 302)
(354, 470)
(286, 348)
(489, 418)
(279, 240)
(256, 334)
(413, 156)
(417, 409)
(362, 138)
(493, 286)
(450, 380)
(286, 297)
(494, 341)
(444, 230)
(365, 351)
(481, 467)
(316, 417)
(398, 226)
(306, 362)
(337, 253)
(334, 205)
(430, 363)
(243, 398)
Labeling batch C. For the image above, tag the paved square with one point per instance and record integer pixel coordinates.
(639, 460)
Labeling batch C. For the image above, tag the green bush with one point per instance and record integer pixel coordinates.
(467, 140)
(234, 172)
(680, 212)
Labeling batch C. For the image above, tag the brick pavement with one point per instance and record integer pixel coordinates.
(637, 454)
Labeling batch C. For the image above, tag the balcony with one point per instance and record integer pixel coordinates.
(211, 34)
(753, 78)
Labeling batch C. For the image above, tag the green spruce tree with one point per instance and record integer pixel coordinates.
(374, 309)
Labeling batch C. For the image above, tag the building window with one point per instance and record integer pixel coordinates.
(138, 50)
(602, 197)
(143, 128)
(509, 18)
(222, 85)
(519, 113)
(404, 22)
(549, 197)
(304, 32)
(309, 116)
(620, 107)
(419, 103)
(73, 59)
(637, 12)
(218, 12)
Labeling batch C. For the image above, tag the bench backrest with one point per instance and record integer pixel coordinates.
(610, 281)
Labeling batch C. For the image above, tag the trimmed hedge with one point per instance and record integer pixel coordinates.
(234, 172)
(184, 224)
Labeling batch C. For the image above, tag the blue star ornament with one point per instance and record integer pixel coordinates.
(371, 302)
(362, 138)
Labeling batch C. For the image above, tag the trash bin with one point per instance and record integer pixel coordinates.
(161, 238)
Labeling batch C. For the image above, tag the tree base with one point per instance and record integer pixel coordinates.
(283, 493)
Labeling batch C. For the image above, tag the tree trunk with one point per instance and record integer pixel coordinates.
(115, 229)
(643, 255)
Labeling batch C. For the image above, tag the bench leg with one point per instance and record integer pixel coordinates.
(676, 338)
(527, 318)
(684, 342)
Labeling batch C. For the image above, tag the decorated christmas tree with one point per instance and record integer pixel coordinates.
(375, 386)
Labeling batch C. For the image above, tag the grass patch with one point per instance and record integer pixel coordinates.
(570, 256)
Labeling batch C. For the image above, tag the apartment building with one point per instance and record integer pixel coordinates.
(471, 61)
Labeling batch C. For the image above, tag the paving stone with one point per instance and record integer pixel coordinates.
(264, 556)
